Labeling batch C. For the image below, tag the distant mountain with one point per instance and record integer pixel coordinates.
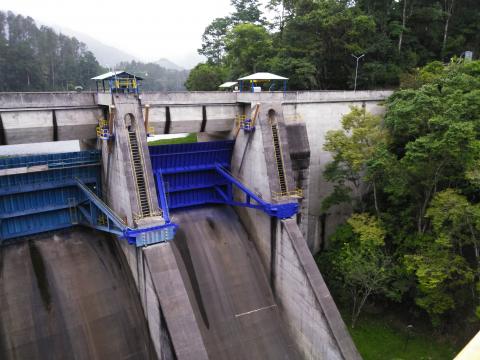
(106, 55)
(167, 64)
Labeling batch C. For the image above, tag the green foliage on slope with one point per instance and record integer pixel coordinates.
(417, 174)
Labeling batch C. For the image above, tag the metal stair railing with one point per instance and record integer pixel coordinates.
(137, 165)
(279, 157)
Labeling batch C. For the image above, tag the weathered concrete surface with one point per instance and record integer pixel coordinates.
(47, 100)
(185, 109)
(174, 302)
(118, 176)
(68, 296)
(21, 127)
(304, 299)
(77, 123)
(171, 322)
(185, 119)
(228, 286)
(250, 166)
(145, 285)
(299, 147)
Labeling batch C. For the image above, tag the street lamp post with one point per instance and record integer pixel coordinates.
(356, 70)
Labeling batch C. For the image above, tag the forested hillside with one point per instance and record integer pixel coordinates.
(39, 59)
(312, 41)
(36, 58)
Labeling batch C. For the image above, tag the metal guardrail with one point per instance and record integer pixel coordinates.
(297, 193)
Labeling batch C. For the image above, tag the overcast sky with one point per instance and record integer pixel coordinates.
(147, 29)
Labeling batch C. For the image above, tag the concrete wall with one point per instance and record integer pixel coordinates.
(169, 314)
(26, 126)
(305, 301)
(48, 100)
(250, 166)
(27, 117)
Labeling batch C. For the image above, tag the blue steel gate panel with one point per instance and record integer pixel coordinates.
(196, 174)
(189, 171)
(43, 195)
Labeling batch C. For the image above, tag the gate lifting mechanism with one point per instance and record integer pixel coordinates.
(248, 124)
(281, 211)
(103, 130)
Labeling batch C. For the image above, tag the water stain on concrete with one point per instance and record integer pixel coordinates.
(40, 271)
(182, 246)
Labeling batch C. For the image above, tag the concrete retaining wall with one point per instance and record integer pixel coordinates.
(170, 318)
(48, 100)
(304, 299)
(319, 118)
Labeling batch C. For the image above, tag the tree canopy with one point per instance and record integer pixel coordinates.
(312, 41)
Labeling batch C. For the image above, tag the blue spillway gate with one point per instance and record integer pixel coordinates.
(41, 193)
(195, 174)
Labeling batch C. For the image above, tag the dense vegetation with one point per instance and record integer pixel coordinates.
(412, 180)
(39, 59)
(312, 41)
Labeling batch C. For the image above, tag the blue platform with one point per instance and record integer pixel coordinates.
(188, 171)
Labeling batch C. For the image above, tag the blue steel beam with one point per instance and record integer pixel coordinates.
(35, 186)
(162, 196)
(136, 236)
(281, 211)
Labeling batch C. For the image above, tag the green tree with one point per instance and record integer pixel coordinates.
(247, 11)
(249, 47)
(421, 180)
(359, 261)
(213, 40)
(352, 148)
(205, 77)
(39, 59)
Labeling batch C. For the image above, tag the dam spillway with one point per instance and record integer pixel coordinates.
(237, 280)
(234, 305)
(68, 295)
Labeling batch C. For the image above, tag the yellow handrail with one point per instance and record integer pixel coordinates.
(297, 193)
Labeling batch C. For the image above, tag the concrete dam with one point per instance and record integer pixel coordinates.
(114, 249)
